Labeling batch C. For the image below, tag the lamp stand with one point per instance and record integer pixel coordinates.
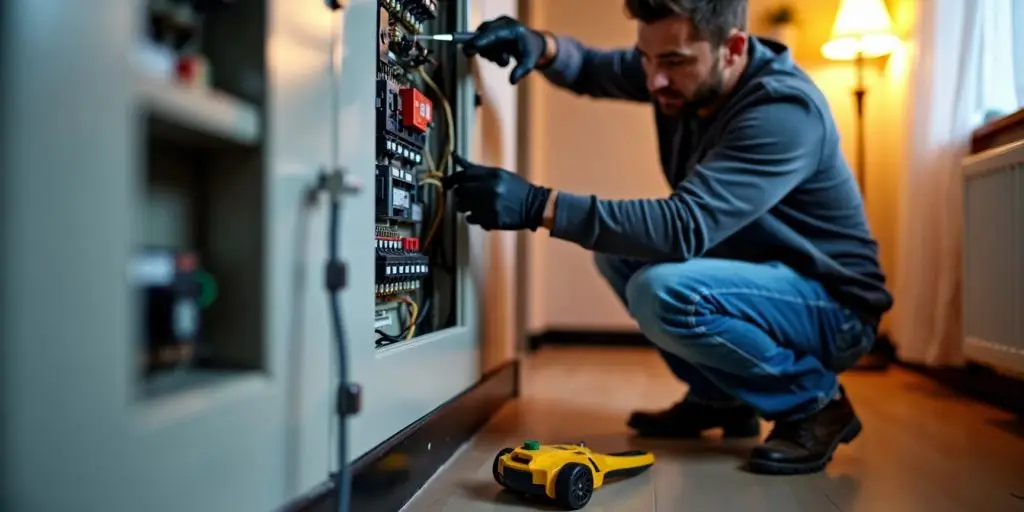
(858, 94)
(882, 351)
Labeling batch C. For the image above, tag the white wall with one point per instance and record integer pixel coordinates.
(583, 146)
(495, 142)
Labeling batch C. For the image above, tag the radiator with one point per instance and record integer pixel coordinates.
(993, 258)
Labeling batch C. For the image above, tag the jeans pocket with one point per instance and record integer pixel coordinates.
(854, 339)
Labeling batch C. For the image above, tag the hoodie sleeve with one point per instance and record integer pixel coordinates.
(613, 74)
(767, 151)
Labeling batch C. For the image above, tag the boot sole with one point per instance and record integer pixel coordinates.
(765, 467)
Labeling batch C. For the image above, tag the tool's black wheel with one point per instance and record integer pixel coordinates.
(574, 486)
(494, 466)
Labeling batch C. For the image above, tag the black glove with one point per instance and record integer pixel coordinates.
(495, 198)
(503, 38)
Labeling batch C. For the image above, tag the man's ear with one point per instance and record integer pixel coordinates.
(736, 46)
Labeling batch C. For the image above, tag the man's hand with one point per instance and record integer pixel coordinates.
(494, 198)
(505, 38)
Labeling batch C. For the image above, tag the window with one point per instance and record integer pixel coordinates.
(1000, 79)
(1018, 49)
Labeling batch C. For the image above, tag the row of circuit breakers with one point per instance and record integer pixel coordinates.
(404, 118)
(400, 264)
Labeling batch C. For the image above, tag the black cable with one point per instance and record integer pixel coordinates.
(335, 281)
(385, 339)
(424, 309)
(388, 339)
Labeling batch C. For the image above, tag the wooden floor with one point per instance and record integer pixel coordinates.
(922, 449)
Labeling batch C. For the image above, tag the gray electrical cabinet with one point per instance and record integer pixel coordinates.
(166, 333)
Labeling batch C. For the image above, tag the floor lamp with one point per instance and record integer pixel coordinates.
(862, 32)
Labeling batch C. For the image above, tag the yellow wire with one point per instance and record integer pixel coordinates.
(449, 118)
(435, 174)
(429, 160)
(436, 223)
(414, 314)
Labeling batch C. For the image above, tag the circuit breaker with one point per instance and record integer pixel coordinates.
(413, 146)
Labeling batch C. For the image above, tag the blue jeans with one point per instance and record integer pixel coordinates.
(737, 332)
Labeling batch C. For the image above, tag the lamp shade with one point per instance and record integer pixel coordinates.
(862, 28)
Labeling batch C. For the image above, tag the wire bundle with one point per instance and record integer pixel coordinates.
(415, 316)
(435, 174)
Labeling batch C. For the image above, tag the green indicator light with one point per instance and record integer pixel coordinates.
(208, 287)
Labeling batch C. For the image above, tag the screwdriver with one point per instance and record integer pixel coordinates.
(454, 37)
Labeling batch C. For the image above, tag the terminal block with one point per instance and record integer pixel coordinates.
(400, 265)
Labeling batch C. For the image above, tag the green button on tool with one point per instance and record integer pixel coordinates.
(531, 445)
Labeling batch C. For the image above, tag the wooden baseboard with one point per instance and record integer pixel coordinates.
(588, 338)
(385, 478)
(978, 382)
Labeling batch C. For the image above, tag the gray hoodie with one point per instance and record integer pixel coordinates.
(764, 179)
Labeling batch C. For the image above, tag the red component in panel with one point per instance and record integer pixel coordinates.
(192, 70)
(411, 244)
(187, 262)
(417, 109)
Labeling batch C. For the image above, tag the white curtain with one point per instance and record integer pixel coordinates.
(1018, 47)
(963, 68)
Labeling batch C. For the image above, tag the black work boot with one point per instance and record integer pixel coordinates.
(806, 445)
(688, 419)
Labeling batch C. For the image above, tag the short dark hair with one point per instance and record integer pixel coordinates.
(713, 19)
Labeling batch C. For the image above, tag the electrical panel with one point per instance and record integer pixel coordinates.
(413, 146)
(195, 330)
(202, 168)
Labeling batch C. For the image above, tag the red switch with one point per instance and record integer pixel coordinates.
(417, 109)
(411, 244)
(193, 70)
